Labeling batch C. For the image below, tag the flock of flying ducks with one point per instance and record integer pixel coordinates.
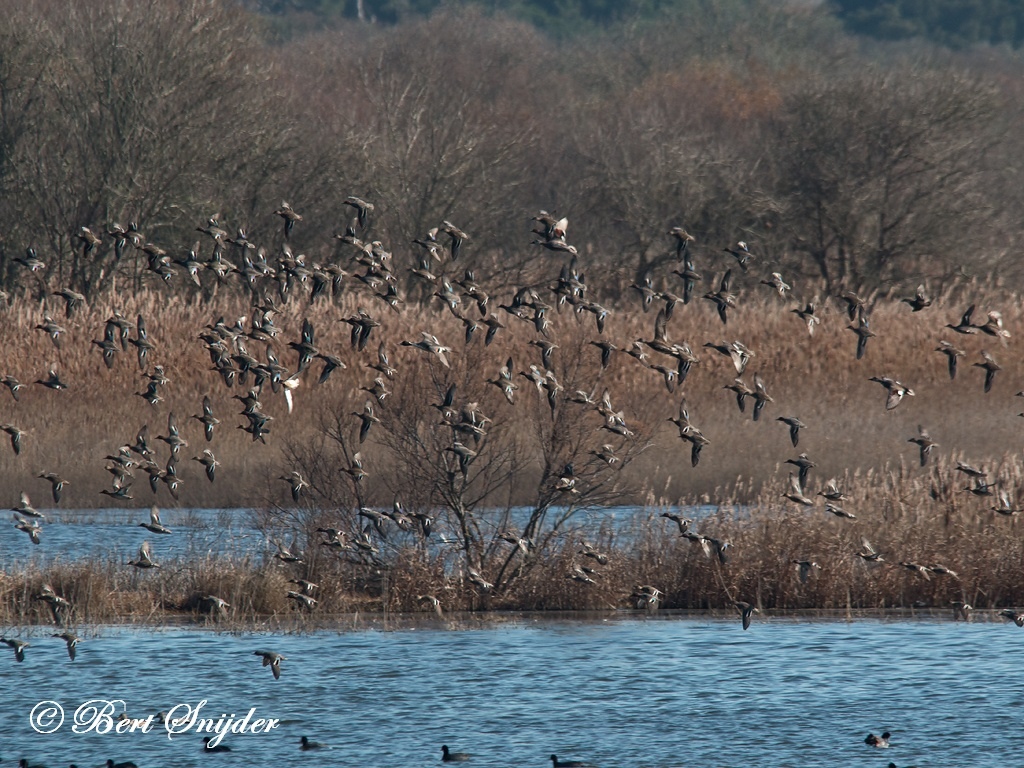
(371, 273)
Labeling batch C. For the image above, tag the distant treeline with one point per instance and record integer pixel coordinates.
(741, 120)
(566, 16)
(956, 23)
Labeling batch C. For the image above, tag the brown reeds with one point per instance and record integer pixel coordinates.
(912, 514)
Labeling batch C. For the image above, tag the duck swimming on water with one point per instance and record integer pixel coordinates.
(878, 741)
(453, 757)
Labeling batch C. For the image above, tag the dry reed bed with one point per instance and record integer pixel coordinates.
(909, 513)
(815, 378)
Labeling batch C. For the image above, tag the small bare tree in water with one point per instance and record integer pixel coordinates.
(477, 466)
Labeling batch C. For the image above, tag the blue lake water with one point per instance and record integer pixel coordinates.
(198, 533)
(82, 535)
(656, 693)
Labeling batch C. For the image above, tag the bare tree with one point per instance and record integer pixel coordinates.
(144, 116)
(879, 167)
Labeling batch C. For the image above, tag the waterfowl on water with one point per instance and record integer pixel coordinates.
(305, 744)
(453, 757)
(208, 747)
(556, 763)
(878, 741)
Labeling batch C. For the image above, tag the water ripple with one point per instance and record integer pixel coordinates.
(635, 694)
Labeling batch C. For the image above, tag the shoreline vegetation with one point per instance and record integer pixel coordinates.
(941, 537)
(433, 312)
